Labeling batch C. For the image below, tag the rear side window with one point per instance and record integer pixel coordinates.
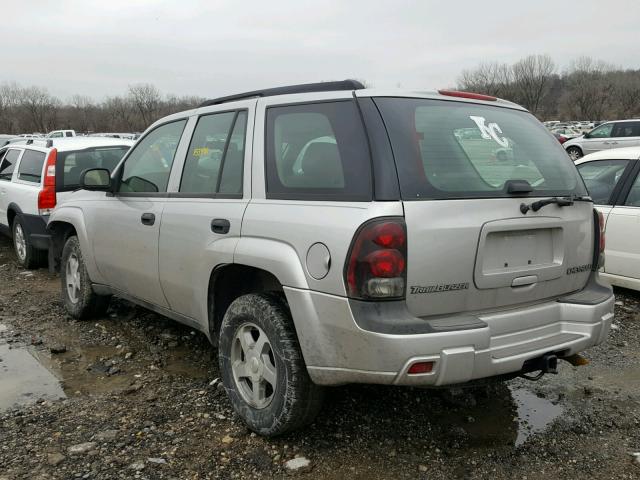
(626, 129)
(215, 159)
(31, 164)
(601, 177)
(71, 164)
(8, 164)
(446, 149)
(633, 199)
(148, 166)
(68, 134)
(317, 151)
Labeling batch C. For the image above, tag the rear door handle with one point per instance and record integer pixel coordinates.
(148, 218)
(220, 225)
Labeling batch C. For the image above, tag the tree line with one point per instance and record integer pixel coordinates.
(34, 109)
(588, 89)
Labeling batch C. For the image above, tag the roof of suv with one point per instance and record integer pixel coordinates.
(359, 90)
(74, 143)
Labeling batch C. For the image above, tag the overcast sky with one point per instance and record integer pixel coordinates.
(212, 48)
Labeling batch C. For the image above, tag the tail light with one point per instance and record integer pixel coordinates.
(602, 241)
(376, 266)
(598, 254)
(47, 195)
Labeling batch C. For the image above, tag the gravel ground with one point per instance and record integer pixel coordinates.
(134, 395)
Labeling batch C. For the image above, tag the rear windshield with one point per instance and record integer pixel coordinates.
(446, 149)
(70, 164)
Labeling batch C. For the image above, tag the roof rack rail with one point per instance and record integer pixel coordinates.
(302, 88)
(48, 142)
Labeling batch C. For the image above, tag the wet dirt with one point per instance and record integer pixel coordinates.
(144, 390)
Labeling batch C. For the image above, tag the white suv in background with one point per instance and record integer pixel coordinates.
(31, 185)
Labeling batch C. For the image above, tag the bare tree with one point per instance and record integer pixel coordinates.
(488, 78)
(9, 102)
(120, 113)
(40, 107)
(589, 89)
(531, 78)
(146, 99)
(82, 112)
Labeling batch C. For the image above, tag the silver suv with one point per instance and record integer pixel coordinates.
(327, 234)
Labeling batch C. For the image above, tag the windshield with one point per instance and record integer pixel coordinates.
(70, 164)
(446, 149)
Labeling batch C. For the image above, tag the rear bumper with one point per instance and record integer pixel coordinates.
(338, 350)
(36, 229)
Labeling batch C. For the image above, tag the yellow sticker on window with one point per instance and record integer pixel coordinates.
(199, 152)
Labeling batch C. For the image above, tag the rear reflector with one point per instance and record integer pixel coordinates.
(473, 96)
(420, 367)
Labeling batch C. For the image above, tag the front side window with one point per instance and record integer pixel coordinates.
(8, 165)
(601, 177)
(147, 168)
(31, 164)
(317, 151)
(603, 131)
(447, 149)
(215, 158)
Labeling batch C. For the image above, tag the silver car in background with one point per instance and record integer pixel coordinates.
(618, 134)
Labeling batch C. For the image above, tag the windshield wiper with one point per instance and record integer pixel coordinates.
(535, 206)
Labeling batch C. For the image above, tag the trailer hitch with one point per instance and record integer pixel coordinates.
(548, 363)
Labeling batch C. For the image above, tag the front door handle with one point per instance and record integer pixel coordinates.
(220, 225)
(148, 218)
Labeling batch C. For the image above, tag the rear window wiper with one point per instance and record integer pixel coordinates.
(535, 206)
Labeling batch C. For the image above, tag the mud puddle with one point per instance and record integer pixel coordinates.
(29, 373)
(508, 418)
(23, 379)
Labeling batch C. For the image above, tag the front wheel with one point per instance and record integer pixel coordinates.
(78, 297)
(574, 153)
(262, 368)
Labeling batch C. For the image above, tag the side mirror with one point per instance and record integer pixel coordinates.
(97, 179)
(585, 135)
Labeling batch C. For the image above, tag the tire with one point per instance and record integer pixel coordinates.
(294, 401)
(574, 153)
(78, 297)
(28, 256)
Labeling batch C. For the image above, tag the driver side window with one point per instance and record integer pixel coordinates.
(148, 166)
(603, 131)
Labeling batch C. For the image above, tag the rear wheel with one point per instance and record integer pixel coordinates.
(78, 296)
(574, 153)
(262, 368)
(28, 256)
